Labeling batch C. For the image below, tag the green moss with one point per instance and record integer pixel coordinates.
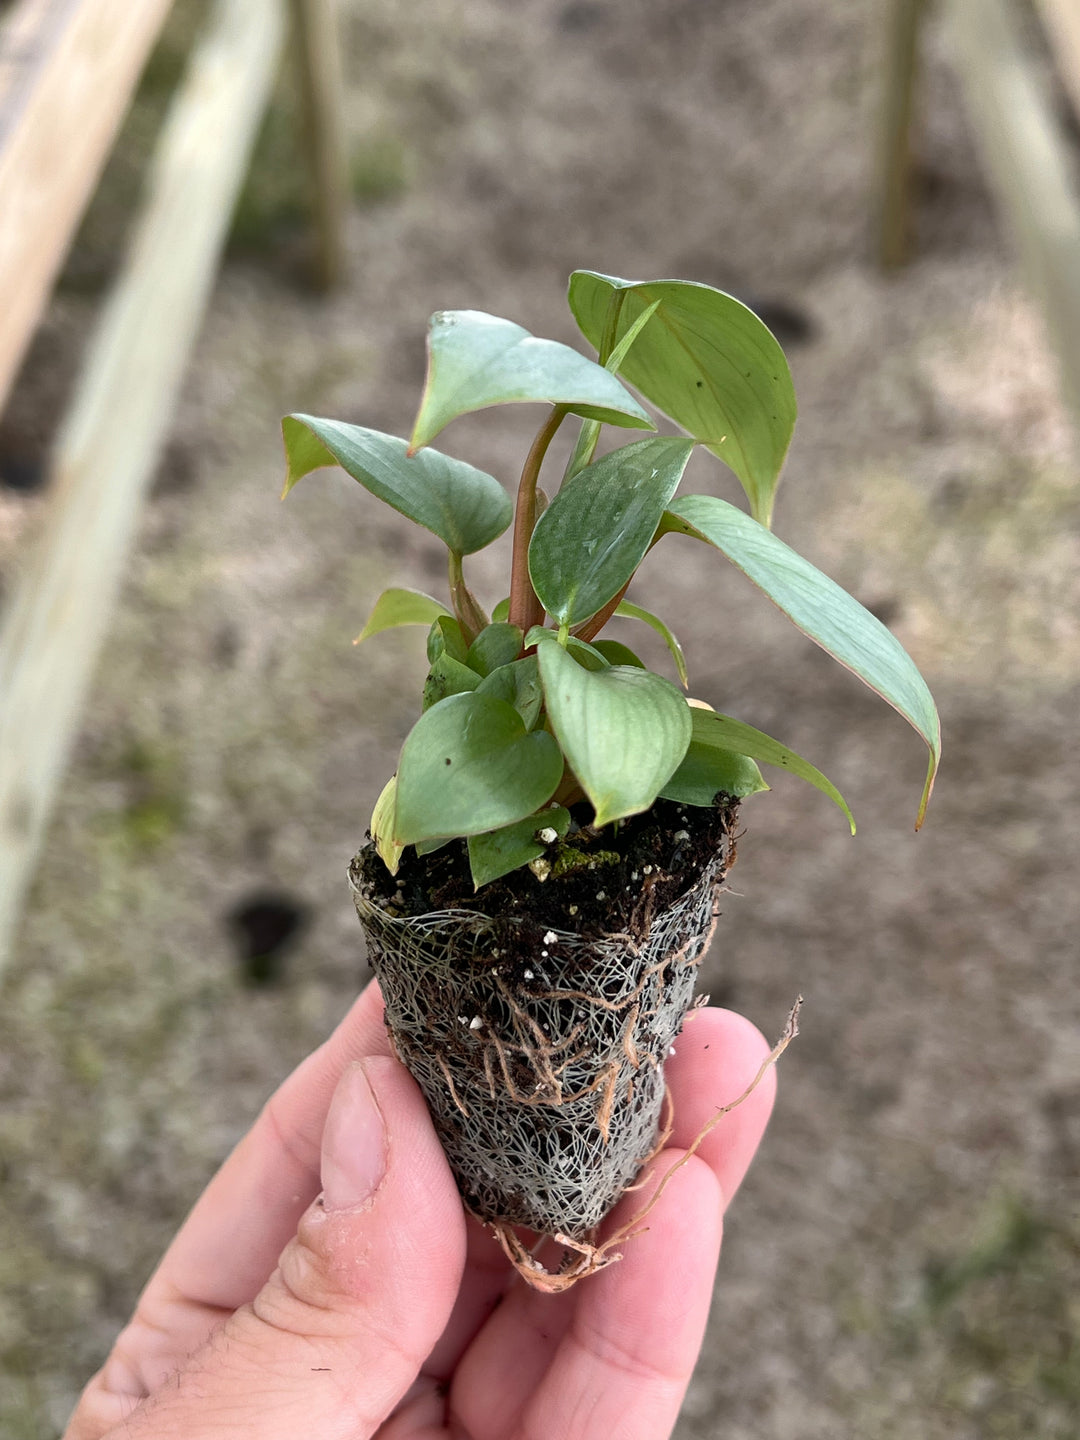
(570, 859)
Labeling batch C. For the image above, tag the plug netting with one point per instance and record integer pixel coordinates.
(544, 1077)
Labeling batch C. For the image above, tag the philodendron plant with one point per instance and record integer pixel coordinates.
(528, 710)
(562, 818)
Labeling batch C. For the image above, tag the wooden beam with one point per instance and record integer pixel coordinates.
(1028, 166)
(1061, 20)
(322, 92)
(68, 69)
(900, 73)
(55, 622)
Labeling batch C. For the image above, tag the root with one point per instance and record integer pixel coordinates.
(584, 1257)
(452, 1087)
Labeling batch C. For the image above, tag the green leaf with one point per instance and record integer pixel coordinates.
(469, 765)
(589, 434)
(586, 654)
(465, 507)
(622, 730)
(498, 644)
(708, 769)
(501, 613)
(446, 637)
(830, 616)
(519, 685)
(500, 851)
(447, 677)
(616, 653)
(595, 533)
(743, 739)
(476, 360)
(401, 607)
(428, 847)
(708, 362)
(629, 611)
(382, 825)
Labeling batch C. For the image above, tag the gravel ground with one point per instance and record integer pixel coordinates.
(904, 1261)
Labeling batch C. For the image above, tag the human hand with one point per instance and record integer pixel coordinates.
(380, 1310)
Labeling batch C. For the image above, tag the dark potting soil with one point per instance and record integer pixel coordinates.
(616, 881)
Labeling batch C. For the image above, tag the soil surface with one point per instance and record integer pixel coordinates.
(593, 883)
(904, 1260)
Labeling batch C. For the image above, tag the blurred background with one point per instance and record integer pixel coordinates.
(904, 1261)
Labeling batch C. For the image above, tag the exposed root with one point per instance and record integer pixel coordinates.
(452, 1087)
(582, 1259)
(592, 1257)
(634, 1227)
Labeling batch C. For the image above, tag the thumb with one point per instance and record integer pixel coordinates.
(340, 1330)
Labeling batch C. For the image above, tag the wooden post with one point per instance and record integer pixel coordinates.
(318, 51)
(55, 621)
(67, 72)
(894, 142)
(1028, 166)
(1061, 20)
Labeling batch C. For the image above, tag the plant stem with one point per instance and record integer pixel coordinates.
(589, 433)
(525, 608)
(611, 326)
(590, 628)
(469, 614)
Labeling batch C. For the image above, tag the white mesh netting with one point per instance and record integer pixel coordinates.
(544, 1077)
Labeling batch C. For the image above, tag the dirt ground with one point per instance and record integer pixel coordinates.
(904, 1261)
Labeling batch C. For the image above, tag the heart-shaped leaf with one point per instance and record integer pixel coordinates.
(469, 765)
(401, 607)
(497, 644)
(615, 653)
(446, 637)
(594, 534)
(707, 768)
(465, 507)
(708, 362)
(447, 677)
(519, 685)
(476, 360)
(630, 611)
(622, 730)
(830, 616)
(742, 739)
(500, 851)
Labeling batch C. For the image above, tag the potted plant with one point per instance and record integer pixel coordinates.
(541, 878)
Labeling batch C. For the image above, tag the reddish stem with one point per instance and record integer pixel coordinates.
(525, 608)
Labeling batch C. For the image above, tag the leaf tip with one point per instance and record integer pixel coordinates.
(928, 787)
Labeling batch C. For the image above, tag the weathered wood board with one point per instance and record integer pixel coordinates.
(68, 69)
